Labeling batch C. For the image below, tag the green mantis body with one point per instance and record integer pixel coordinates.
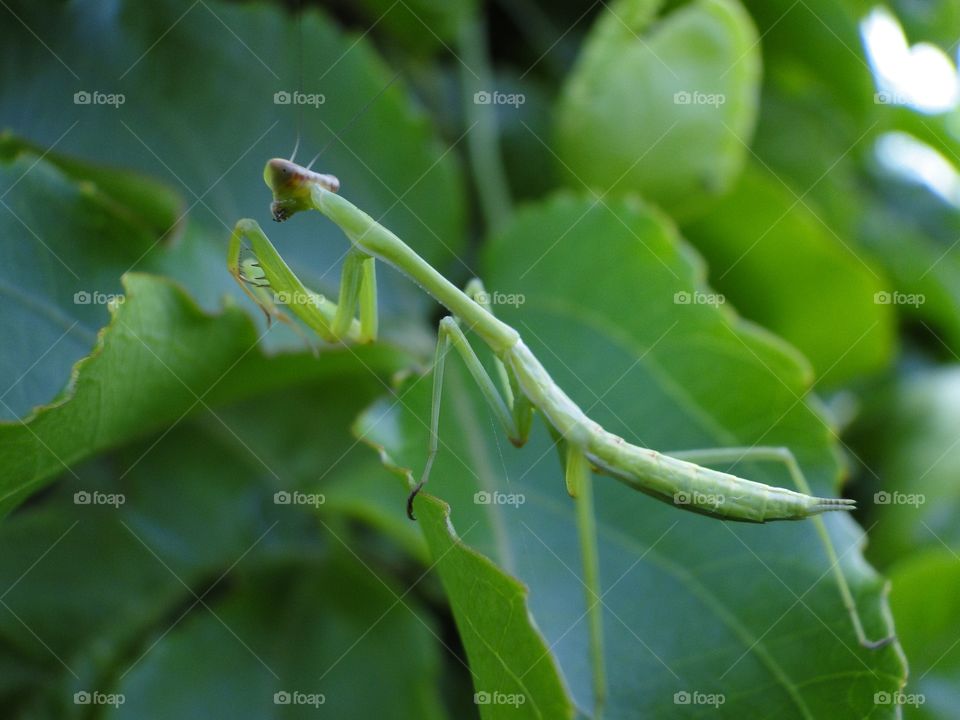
(524, 384)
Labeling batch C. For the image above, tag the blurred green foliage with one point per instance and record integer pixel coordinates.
(709, 252)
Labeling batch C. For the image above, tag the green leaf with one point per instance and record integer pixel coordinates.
(907, 435)
(661, 112)
(911, 233)
(818, 116)
(484, 597)
(160, 358)
(196, 519)
(154, 204)
(209, 130)
(422, 27)
(613, 329)
(65, 244)
(815, 48)
(325, 648)
(809, 146)
(929, 22)
(513, 670)
(926, 601)
(310, 424)
(772, 255)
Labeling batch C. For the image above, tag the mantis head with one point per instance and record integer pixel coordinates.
(291, 185)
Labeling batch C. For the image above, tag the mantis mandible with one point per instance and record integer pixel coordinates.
(523, 386)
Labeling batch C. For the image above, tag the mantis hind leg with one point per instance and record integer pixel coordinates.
(510, 406)
(785, 457)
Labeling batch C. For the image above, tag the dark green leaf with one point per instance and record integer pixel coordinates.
(782, 265)
(926, 602)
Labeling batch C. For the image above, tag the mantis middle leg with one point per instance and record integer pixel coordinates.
(579, 478)
(509, 405)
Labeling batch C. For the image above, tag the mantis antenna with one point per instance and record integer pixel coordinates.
(353, 119)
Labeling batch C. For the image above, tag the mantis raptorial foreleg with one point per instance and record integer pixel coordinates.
(369, 320)
(267, 278)
(786, 457)
(358, 288)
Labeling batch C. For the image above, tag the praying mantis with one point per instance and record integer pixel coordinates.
(523, 386)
